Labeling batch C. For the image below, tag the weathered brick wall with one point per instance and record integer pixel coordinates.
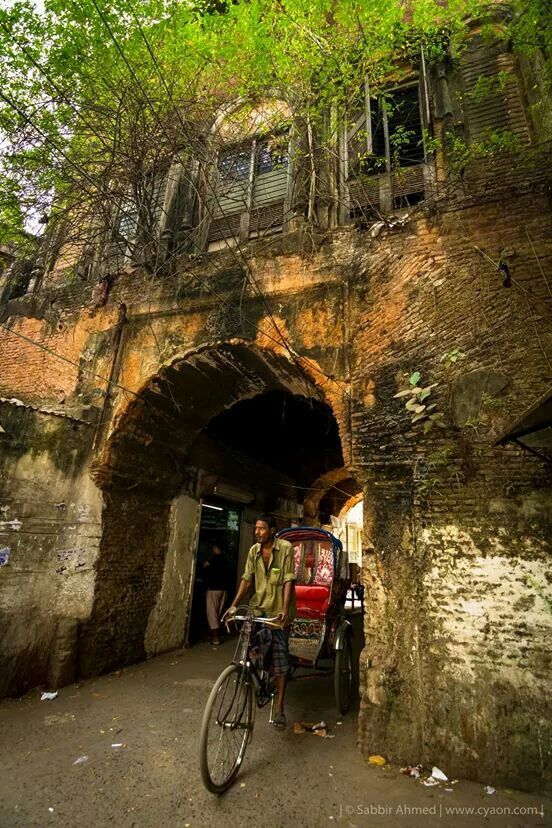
(128, 577)
(453, 670)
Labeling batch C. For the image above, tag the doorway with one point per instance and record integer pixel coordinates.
(220, 526)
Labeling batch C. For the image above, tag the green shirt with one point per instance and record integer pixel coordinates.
(268, 599)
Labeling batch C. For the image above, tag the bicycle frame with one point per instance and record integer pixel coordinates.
(264, 693)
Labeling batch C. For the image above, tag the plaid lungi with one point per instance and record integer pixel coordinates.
(269, 651)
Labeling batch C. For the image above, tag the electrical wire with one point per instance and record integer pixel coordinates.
(187, 269)
(292, 353)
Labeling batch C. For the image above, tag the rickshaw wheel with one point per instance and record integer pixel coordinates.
(226, 728)
(343, 676)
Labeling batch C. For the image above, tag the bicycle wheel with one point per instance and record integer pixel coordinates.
(226, 728)
(343, 676)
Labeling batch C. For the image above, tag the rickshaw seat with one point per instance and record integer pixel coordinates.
(312, 601)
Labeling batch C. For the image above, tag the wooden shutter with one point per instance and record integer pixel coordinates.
(499, 110)
(231, 191)
(158, 201)
(269, 188)
(118, 250)
(365, 154)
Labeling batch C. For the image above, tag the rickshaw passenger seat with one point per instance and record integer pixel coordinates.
(312, 601)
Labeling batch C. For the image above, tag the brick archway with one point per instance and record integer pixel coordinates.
(330, 491)
(144, 464)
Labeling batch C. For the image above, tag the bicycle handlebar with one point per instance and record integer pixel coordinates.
(253, 618)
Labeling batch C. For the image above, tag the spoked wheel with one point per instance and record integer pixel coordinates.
(226, 728)
(343, 676)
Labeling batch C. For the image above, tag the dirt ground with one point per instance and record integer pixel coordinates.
(153, 711)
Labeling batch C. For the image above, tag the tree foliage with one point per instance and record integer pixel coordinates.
(97, 96)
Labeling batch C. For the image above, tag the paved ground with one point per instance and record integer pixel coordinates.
(154, 710)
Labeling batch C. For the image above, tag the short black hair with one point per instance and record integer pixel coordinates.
(270, 520)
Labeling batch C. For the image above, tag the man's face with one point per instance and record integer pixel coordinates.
(263, 533)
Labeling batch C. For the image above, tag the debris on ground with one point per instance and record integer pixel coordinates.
(436, 777)
(81, 760)
(377, 760)
(318, 728)
(490, 790)
(117, 745)
(49, 696)
(412, 770)
(59, 718)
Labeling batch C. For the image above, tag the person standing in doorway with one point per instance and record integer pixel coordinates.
(216, 577)
(270, 567)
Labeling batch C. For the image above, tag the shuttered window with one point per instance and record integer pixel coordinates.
(129, 224)
(491, 95)
(385, 135)
(251, 189)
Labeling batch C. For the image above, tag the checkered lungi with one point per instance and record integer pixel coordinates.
(269, 651)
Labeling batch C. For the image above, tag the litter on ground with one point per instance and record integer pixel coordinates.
(80, 760)
(412, 770)
(377, 760)
(317, 728)
(49, 696)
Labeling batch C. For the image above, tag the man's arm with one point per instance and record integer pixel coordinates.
(243, 589)
(289, 587)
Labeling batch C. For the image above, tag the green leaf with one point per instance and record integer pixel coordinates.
(414, 378)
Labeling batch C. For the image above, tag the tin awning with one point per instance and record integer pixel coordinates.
(533, 429)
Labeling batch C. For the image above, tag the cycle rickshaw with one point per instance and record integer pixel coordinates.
(319, 632)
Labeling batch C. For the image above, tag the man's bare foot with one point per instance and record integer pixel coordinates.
(279, 721)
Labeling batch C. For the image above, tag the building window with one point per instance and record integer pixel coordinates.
(250, 193)
(137, 223)
(385, 150)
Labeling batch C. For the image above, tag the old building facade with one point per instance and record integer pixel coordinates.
(267, 360)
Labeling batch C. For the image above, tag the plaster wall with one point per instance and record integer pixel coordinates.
(166, 628)
(50, 527)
